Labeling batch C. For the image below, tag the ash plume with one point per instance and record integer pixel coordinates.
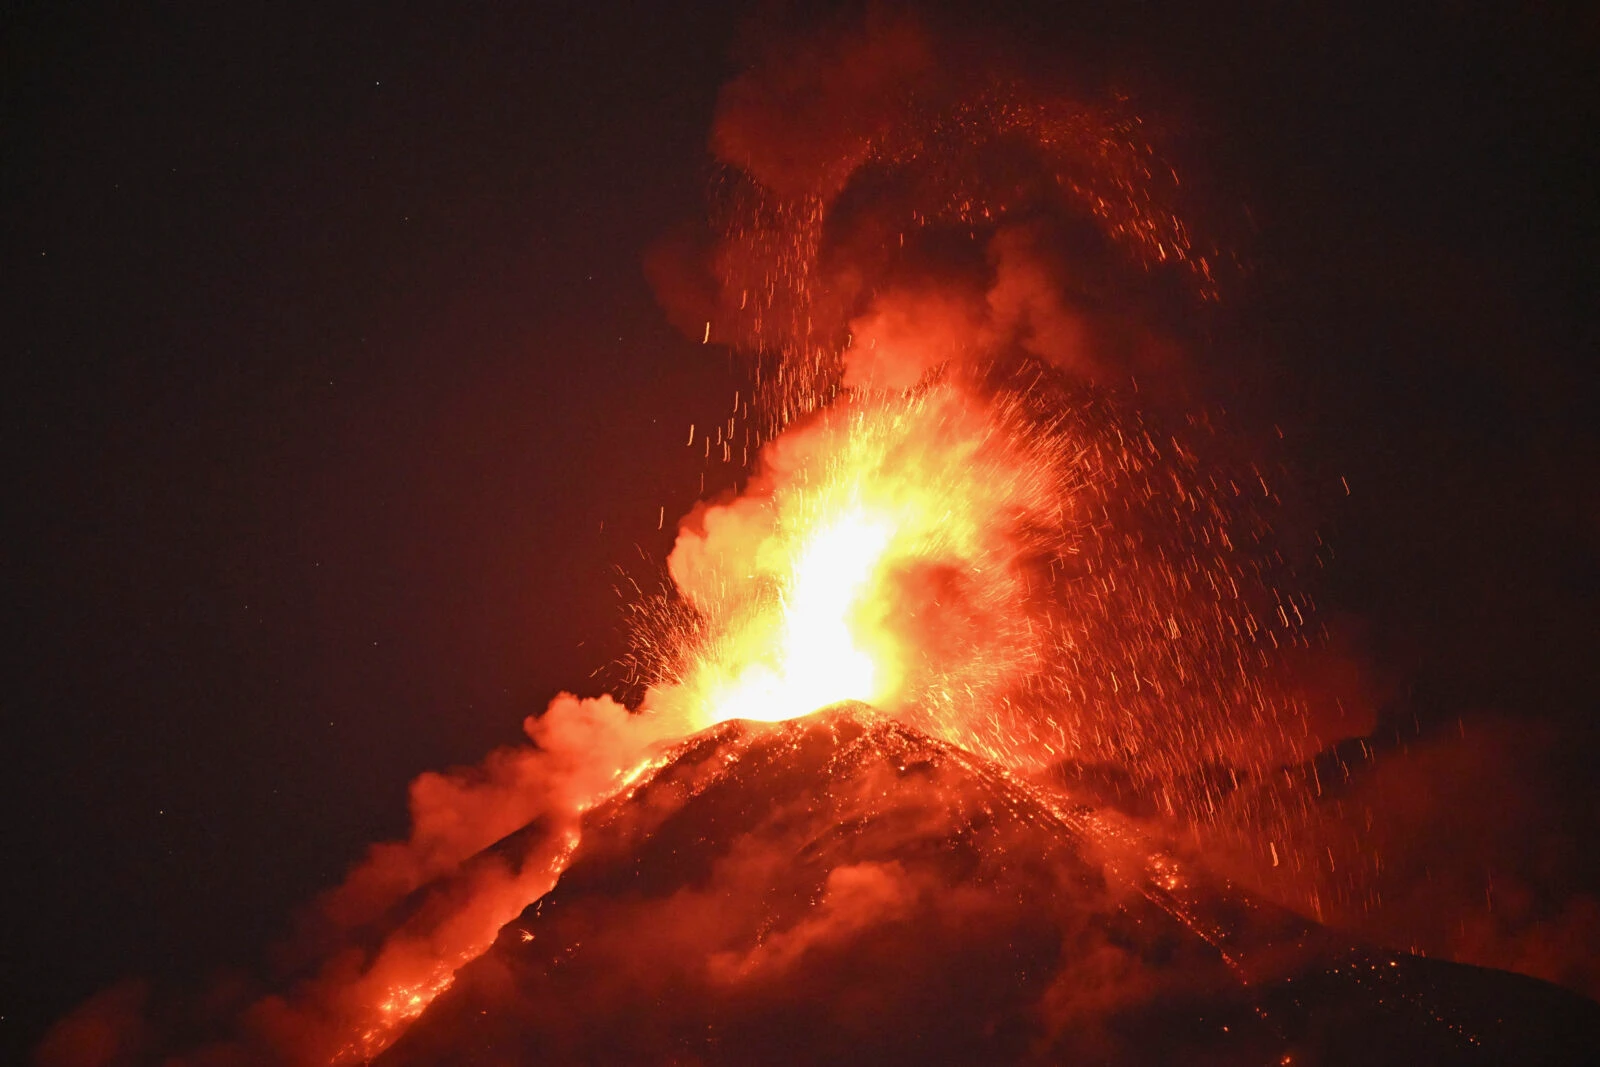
(898, 195)
(907, 210)
(923, 228)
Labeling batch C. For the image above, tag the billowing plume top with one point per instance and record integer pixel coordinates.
(898, 197)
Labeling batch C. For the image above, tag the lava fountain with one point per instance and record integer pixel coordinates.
(872, 534)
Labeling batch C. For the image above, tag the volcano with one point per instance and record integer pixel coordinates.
(843, 888)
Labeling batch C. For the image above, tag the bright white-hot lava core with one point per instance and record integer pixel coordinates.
(808, 655)
(883, 553)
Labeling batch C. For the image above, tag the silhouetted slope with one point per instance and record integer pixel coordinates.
(844, 889)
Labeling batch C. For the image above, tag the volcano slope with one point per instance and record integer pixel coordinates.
(843, 889)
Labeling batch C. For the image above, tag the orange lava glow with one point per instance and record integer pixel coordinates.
(875, 534)
(408, 976)
(805, 654)
(403, 1004)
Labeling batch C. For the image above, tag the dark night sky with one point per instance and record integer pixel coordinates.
(329, 353)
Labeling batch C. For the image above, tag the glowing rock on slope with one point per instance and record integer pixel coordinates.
(844, 889)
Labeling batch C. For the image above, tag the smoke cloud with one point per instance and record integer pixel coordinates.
(1458, 846)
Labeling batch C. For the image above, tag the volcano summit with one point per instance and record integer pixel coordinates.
(842, 888)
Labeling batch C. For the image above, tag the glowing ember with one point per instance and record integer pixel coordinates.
(410, 974)
(404, 1003)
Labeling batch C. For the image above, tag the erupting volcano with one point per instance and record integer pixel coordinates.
(925, 745)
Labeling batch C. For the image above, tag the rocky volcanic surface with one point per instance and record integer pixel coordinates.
(841, 888)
